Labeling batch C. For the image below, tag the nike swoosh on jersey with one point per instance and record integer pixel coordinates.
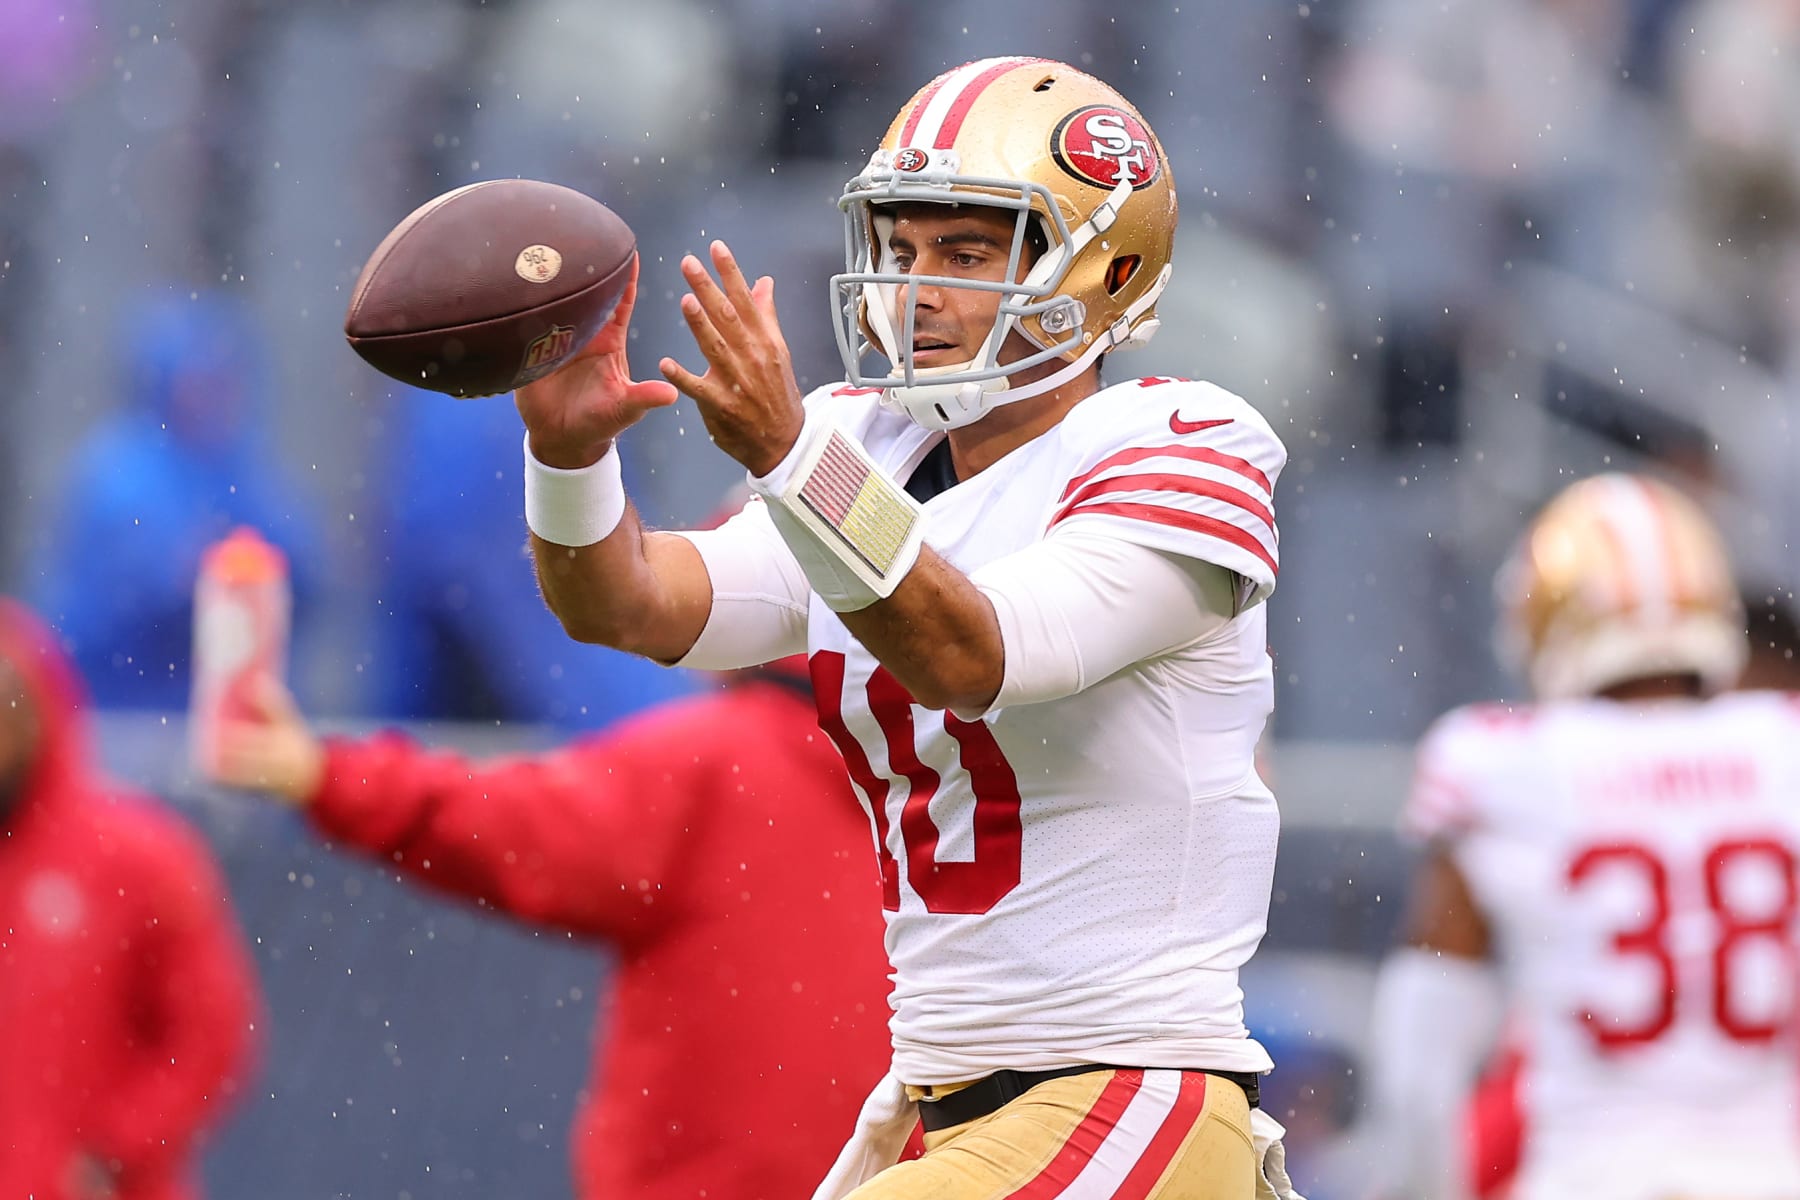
(1180, 426)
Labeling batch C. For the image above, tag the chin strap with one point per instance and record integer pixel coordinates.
(953, 403)
(1119, 334)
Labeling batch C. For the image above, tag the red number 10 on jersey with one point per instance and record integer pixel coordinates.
(945, 887)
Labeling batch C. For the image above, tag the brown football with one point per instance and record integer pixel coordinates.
(489, 286)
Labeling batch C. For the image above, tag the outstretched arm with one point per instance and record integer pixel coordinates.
(562, 837)
(614, 584)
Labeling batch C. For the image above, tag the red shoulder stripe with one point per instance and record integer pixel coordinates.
(1156, 514)
(1205, 454)
(1192, 485)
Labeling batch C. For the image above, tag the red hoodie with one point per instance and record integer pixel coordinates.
(127, 999)
(716, 845)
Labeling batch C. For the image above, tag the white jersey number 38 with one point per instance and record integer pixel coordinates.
(1748, 888)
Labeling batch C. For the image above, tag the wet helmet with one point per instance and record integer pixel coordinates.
(1091, 194)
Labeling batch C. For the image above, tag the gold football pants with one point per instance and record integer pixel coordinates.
(1129, 1134)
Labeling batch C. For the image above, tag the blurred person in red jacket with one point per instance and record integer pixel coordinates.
(127, 1000)
(712, 841)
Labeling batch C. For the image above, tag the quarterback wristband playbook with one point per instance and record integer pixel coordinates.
(853, 530)
(573, 508)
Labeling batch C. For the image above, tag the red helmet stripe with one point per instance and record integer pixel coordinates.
(938, 116)
(959, 108)
(920, 105)
(1682, 590)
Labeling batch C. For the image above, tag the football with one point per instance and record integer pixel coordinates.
(489, 286)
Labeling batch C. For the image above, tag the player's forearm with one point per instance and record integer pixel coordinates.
(547, 838)
(595, 590)
(606, 579)
(631, 590)
(938, 635)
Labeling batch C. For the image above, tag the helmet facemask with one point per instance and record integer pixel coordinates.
(873, 295)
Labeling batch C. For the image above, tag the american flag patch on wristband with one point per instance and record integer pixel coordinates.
(860, 504)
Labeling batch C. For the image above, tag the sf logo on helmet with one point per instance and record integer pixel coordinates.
(910, 159)
(1101, 145)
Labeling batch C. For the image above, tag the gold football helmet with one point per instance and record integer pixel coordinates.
(1090, 187)
(1620, 577)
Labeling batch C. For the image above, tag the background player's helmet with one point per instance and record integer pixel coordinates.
(1620, 577)
(1085, 177)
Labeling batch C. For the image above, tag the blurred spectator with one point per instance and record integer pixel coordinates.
(1731, 256)
(47, 52)
(127, 999)
(458, 639)
(1478, 133)
(715, 843)
(183, 459)
(46, 56)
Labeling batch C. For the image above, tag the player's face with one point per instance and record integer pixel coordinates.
(970, 242)
(18, 736)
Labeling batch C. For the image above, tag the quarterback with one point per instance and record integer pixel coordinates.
(1626, 850)
(1032, 606)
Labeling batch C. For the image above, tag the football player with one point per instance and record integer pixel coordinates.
(1032, 604)
(1624, 850)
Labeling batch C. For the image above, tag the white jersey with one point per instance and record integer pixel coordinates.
(1637, 866)
(1076, 880)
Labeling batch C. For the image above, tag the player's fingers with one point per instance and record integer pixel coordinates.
(712, 299)
(621, 315)
(763, 296)
(682, 379)
(610, 338)
(731, 280)
(706, 334)
(650, 393)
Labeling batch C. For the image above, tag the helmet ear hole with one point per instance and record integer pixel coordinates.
(1120, 271)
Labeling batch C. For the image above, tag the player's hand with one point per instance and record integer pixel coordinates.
(574, 413)
(274, 750)
(748, 397)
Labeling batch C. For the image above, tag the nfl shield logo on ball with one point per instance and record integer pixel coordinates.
(546, 352)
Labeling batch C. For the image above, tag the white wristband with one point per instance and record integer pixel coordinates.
(573, 508)
(853, 530)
